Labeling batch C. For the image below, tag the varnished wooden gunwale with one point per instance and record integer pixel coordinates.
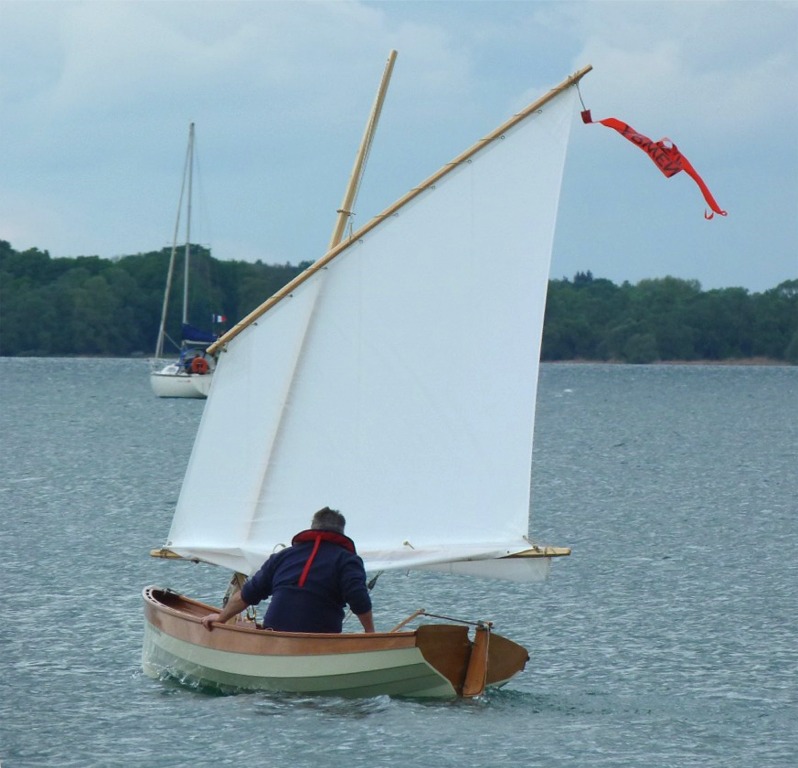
(180, 617)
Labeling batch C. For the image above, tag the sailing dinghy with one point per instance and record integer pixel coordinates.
(395, 379)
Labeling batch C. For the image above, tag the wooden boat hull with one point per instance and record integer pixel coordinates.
(434, 661)
(171, 382)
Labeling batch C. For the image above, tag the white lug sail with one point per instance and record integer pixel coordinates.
(396, 384)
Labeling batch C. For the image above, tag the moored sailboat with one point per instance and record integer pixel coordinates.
(407, 403)
(190, 375)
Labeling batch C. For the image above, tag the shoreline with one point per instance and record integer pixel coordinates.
(745, 361)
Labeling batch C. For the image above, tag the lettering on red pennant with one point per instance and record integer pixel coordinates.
(666, 156)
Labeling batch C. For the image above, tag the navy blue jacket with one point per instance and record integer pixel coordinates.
(334, 577)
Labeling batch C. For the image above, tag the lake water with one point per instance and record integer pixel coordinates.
(668, 638)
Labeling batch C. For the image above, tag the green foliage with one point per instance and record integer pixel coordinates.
(93, 306)
(668, 319)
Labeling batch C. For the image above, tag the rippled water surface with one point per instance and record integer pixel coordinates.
(668, 638)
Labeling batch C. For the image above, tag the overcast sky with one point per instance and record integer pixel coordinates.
(96, 99)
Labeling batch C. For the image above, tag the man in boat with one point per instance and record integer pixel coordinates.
(309, 582)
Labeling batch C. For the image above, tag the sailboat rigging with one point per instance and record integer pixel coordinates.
(407, 404)
(190, 375)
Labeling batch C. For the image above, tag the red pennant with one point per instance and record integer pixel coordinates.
(664, 153)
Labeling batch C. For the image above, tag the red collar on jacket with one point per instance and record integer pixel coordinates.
(317, 536)
(332, 536)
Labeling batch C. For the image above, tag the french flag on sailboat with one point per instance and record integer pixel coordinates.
(218, 319)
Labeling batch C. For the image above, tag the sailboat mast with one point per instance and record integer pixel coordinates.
(188, 221)
(345, 211)
(322, 262)
(173, 254)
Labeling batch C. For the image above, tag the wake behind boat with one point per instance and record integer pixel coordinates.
(408, 404)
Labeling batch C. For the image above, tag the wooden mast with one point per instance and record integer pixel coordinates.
(321, 263)
(345, 211)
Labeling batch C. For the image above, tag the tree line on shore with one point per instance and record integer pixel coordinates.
(112, 307)
(668, 319)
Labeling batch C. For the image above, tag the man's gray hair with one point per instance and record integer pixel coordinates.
(329, 520)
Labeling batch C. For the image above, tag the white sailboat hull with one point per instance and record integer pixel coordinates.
(430, 662)
(171, 381)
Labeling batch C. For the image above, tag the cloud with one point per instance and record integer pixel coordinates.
(96, 100)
